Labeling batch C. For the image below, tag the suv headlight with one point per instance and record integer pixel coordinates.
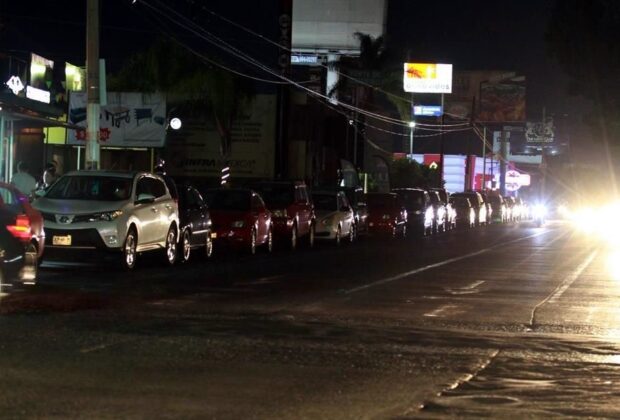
(280, 213)
(107, 216)
(238, 224)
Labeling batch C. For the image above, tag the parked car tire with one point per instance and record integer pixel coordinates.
(269, 241)
(186, 246)
(209, 245)
(130, 254)
(293, 242)
(253, 242)
(311, 236)
(171, 246)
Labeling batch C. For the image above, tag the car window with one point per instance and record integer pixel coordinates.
(158, 188)
(257, 202)
(196, 198)
(325, 202)
(229, 200)
(276, 195)
(299, 195)
(87, 187)
(10, 200)
(382, 201)
(412, 199)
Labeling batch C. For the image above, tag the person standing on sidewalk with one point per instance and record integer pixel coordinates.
(23, 181)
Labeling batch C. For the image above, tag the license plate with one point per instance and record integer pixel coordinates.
(214, 235)
(61, 240)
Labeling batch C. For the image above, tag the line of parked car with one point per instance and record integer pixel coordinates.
(119, 215)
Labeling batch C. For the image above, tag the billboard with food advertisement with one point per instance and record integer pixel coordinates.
(502, 101)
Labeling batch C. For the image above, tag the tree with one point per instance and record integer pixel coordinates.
(584, 37)
(406, 173)
(192, 87)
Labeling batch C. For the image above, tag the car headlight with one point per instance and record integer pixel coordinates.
(539, 210)
(280, 213)
(107, 216)
(238, 223)
(327, 221)
(386, 217)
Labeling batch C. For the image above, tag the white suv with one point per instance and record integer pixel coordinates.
(127, 212)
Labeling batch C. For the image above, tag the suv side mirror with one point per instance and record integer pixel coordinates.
(145, 199)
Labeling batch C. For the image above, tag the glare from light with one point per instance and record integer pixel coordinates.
(175, 123)
(411, 124)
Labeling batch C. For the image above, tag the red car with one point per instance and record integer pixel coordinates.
(386, 215)
(239, 218)
(28, 226)
(291, 208)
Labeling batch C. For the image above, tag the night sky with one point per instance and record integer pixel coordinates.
(498, 35)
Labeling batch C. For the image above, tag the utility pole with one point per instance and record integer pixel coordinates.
(92, 91)
(502, 163)
(484, 158)
(441, 146)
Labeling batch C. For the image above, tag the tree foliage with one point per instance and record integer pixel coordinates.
(406, 173)
(192, 87)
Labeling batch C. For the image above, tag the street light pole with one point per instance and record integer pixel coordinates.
(411, 128)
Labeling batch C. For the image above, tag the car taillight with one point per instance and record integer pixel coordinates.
(21, 229)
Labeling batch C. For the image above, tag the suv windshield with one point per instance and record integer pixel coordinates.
(412, 199)
(382, 201)
(95, 188)
(276, 195)
(228, 200)
(325, 202)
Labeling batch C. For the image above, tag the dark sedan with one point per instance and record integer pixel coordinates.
(195, 223)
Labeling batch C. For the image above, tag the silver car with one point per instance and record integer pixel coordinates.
(334, 215)
(124, 212)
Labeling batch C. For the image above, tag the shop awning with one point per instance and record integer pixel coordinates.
(23, 120)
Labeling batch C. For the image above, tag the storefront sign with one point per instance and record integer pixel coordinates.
(37, 94)
(129, 119)
(15, 84)
(427, 110)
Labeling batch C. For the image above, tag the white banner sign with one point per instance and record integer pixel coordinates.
(128, 120)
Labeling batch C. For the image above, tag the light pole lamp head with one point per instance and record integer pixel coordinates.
(411, 124)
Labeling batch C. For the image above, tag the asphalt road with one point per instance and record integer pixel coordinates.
(503, 320)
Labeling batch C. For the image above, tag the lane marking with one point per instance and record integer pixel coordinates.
(439, 311)
(564, 285)
(439, 264)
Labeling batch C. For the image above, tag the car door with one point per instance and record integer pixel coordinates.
(165, 205)
(145, 213)
(347, 215)
(302, 203)
(259, 213)
(198, 214)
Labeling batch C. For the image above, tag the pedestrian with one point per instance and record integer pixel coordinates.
(49, 175)
(23, 181)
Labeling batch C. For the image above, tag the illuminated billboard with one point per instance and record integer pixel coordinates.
(329, 26)
(427, 78)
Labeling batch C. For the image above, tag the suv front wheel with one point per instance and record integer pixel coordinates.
(129, 250)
